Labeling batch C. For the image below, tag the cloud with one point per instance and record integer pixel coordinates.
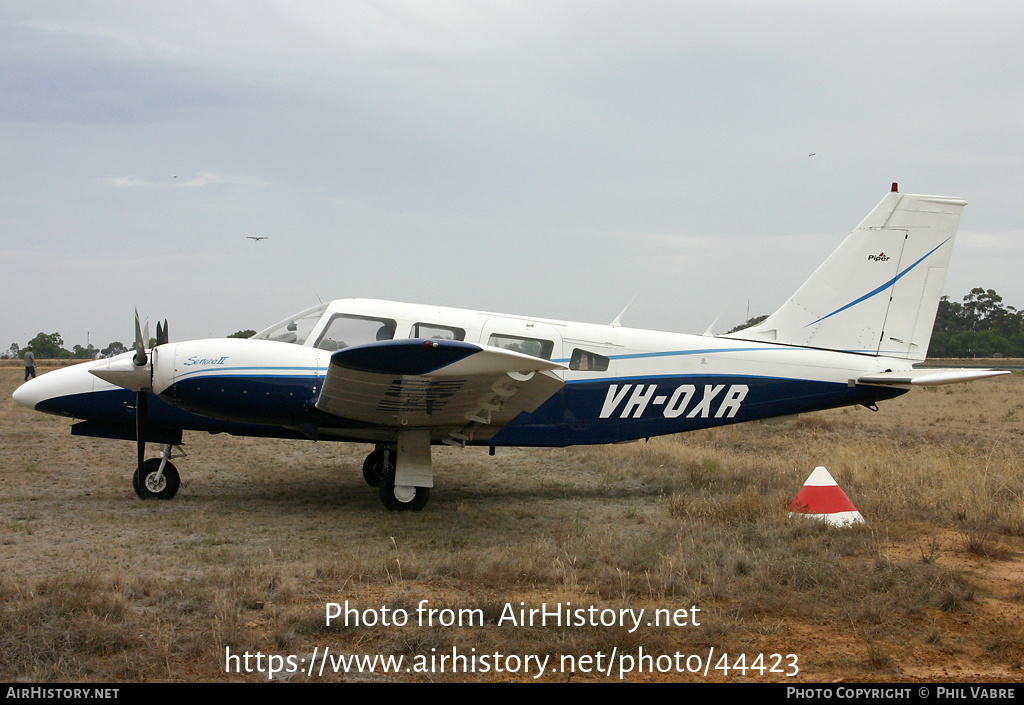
(209, 178)
(204, 180)
(127, 182)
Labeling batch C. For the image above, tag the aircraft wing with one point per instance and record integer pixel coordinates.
(435, 384)
(927, 377)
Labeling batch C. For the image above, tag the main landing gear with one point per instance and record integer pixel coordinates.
(158, 478)
(401, 473)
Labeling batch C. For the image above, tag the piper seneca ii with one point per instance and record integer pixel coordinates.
(405, 377)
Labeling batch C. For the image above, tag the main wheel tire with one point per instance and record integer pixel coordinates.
(147, 487)
(373, 468)
(394, 504)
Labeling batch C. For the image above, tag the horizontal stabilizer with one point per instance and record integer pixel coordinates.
(931, 377)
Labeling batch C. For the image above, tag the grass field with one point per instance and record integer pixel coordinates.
(96, 585)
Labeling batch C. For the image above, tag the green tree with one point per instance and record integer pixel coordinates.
(49, 347)
(86, 353)
(983, 310)
(981, 326)
(949, 318)
(115, 348)
(243, 334)
(750, 322)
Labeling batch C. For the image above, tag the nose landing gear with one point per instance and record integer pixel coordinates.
(157, 478)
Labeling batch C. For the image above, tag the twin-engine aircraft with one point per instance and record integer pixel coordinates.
(405, 377)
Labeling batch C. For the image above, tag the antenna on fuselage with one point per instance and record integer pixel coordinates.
(618, 319)
(710, 332)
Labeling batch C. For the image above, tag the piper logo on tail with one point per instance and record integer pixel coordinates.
(880, 257)
(632, 400)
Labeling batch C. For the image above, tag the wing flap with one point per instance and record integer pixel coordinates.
(435, 384)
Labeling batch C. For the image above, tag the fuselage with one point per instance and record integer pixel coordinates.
(621, 384)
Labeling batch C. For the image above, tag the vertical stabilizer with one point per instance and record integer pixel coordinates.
(878, 293)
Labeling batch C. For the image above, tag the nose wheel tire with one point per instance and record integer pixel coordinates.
(148, 486)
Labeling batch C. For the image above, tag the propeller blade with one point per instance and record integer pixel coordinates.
(140, 344)
(138, 332)
(162, 336)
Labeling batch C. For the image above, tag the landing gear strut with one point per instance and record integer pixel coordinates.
(157, 478)
(402, 473)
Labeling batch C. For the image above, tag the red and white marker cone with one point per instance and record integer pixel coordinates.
(822, 498)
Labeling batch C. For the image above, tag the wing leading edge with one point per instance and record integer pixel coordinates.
(447, 385)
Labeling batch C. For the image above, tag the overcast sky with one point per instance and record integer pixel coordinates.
(541, 158)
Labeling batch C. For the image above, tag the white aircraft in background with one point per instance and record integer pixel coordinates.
(404, 377)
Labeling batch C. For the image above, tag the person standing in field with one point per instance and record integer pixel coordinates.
(30, 364)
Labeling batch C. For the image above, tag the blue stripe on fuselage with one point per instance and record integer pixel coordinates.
(678, 353)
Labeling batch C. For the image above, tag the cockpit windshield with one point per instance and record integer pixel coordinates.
(294, 329)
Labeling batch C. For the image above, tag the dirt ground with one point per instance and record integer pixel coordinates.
(96, 585)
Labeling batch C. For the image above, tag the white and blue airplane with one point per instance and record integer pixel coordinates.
(405, 377)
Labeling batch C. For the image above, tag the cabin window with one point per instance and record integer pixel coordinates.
(432, 331)
(528, 346)
(345, 330)
(586, 361)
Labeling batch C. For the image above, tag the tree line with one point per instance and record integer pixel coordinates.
(50, 346)
(981, 326)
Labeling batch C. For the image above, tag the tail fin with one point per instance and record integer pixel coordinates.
(877, 294)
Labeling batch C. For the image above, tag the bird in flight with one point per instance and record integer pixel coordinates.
(257, 238)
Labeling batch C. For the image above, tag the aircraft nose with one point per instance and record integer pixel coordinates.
(52, 391)
(31, 393)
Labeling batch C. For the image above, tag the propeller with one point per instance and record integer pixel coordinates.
(135, 373)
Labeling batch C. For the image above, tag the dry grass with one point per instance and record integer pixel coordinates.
(100, 586)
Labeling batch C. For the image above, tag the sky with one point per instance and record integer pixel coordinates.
(556, 158)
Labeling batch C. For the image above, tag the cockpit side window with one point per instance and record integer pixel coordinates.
(295, 329)
(345, 330)
(586, 361)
